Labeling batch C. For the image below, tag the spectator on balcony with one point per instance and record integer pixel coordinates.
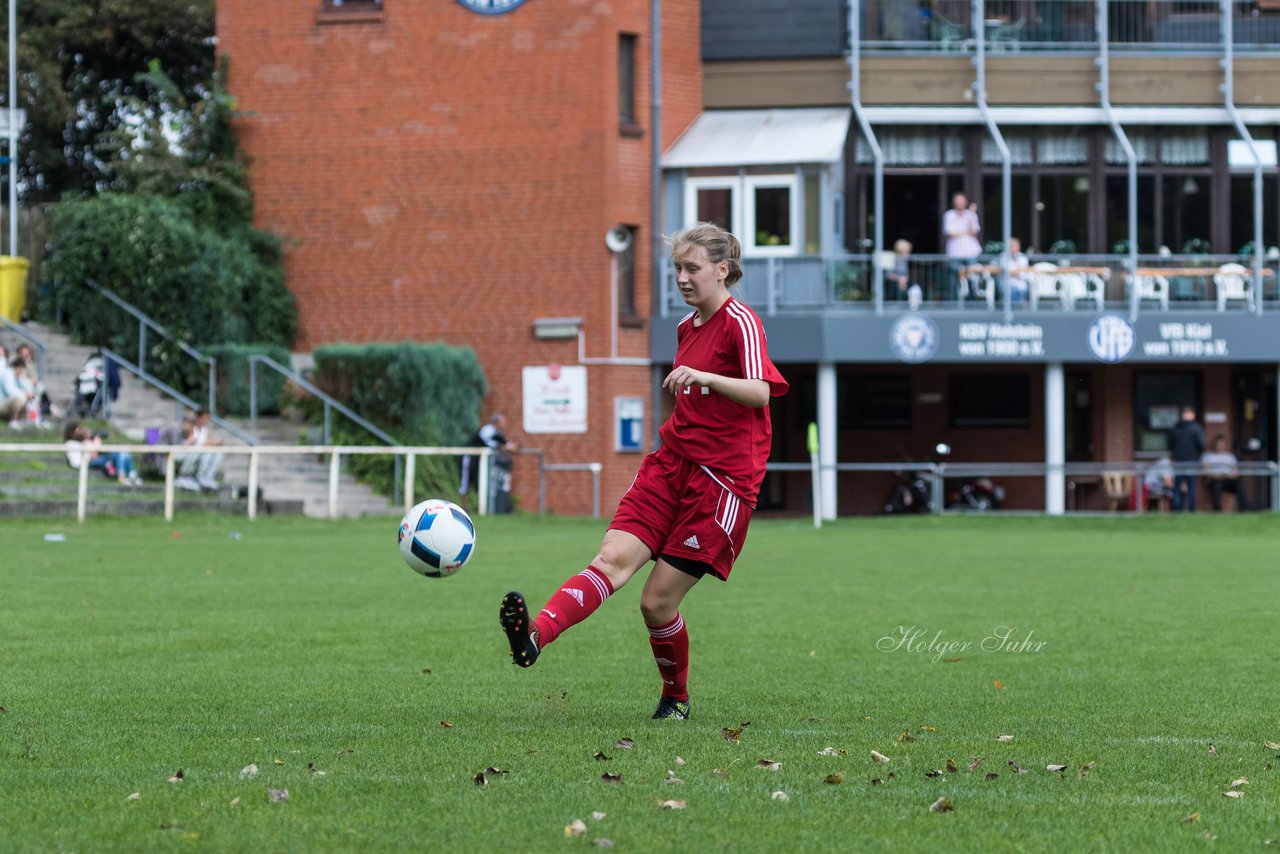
(1018, 264)
(1186, 445)
(961, 227)
(899, 275)
(1221, 472)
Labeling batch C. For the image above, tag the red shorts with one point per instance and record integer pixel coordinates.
(678, 508)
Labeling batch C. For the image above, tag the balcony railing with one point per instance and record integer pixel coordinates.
(1073, 282)
(1013, 26)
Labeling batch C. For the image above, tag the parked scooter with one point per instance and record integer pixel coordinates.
(976, 493)
(913, 493)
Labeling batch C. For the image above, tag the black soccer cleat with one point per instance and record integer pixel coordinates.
(672, 710)
(514, 616)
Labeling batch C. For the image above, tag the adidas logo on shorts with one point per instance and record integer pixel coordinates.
(692, 542)
(574, 592)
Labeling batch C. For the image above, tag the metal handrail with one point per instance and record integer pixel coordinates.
(327, 399)
(35, 340)
(178, 396)
(145, 320)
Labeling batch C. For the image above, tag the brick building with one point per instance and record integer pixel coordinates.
(445, 174)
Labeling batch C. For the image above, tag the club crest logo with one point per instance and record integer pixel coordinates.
(1111, 338)
(914, 338)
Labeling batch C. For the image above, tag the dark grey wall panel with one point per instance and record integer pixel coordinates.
(773, 29)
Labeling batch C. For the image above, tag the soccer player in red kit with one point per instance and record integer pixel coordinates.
(691, 500)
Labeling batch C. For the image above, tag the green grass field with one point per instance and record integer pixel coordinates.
(135, 649)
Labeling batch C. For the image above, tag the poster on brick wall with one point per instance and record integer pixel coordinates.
(555, 399)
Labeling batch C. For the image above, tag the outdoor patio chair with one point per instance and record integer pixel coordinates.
(981, 285)
(1233, 282)
(1077, 287)
(1152, 287)
(1043, 284)
(1006, 37)
(1118, 487)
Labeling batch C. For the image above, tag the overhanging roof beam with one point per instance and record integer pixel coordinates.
(877, 154)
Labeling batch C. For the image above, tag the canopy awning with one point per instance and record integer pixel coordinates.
(761, 137)
(1069, 116)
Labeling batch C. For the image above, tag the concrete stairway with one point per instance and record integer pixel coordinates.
(292, 483)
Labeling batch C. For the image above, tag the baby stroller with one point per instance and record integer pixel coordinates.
(98, 380)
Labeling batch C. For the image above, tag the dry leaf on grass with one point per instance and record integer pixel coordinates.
(1055, 768)
(876, 781)
(249, 771)
(316, 772)
(577, 827)
(234, 801)
(610, 777)
(603, 843)
(951, 767)
(177, 776)
(905, 737)
(733, 734)
(672, 779)
(598, 816)
(999, 685)
(1234, 793)
(933, 773)
(831, 751)
(679, 761)
(1239, 781)
(1004, 739)
(674, 805)
(1084, 770)
(426, 670)
(768, 764)
(1191, 819)
(496, 772)
(780, 796)
(941, 805)
(277, 796)
(719, 773)
(134, 796)
(954, 660)
(877, 756)
(991, 775)
(927, 728)
(277, 761)
(1018, 769)
(480, 779)
(974, 762)
(624, 744)
(600, 757)
(446, 724)
(1271, 745)
(833, 779)
(346, 751)
(1213, 751)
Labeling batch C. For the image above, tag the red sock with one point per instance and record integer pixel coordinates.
(671, 653)
(576, 600)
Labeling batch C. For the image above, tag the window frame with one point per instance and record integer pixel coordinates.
(692, 186)
(987, 423)
(750, 183)
(628, 122)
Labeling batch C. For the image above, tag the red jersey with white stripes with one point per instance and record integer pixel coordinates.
(731, 440)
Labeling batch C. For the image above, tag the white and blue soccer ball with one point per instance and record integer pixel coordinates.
(437, 538)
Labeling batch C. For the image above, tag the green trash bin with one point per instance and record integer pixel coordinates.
(13, 286)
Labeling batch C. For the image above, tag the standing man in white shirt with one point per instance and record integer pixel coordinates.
(961, 227)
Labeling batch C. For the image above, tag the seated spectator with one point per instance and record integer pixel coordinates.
(15, 393)
(1220, 473)
(1158, 480)
(1018, 265)
(79, 442)
(182, 432)
(899, 276)
(207, 466)
(26, 354)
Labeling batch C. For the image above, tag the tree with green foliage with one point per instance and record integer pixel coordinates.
(79, 63)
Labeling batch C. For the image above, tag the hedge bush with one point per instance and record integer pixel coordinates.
(421, 394)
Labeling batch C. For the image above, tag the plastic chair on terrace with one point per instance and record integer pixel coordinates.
(1078, 287)
(979, 284)
(1043, 283)
(952, 36)
(1233, 282)
(1153, 287)
(1007, 37)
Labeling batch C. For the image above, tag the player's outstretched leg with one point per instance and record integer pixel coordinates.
(513, 613)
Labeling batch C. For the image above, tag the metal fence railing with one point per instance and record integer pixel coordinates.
(1014, 26)
(1048, 281)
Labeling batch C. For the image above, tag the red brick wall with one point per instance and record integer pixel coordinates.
(443, 175)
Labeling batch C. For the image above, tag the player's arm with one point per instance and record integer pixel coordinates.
(753, 393)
